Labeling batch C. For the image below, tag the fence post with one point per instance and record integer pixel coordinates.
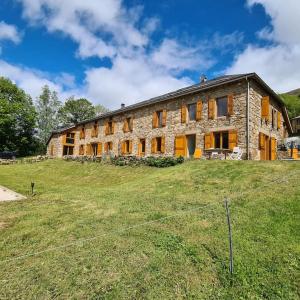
(229, 237)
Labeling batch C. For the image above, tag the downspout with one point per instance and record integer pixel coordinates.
(248, 120)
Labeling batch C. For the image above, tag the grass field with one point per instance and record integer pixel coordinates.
(99, 231)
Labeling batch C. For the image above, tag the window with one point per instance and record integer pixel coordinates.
(126, 147)
(68, 150)
(274, 113)
(222, 109)
(221, 140)
(95, 130)
(128, 124)
(109, 129)
(142, 146)
(81, 150)
(70, 138)
(192, 108)
(82, 133)
(108, 146)
(158, 145)
(94, 148)
(159, 118)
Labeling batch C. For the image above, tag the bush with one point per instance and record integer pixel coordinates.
(158, 162)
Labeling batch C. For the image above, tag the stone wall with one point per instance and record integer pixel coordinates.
(142, 122)
(257, 124)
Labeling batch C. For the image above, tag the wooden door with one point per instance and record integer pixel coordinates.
(180, 145)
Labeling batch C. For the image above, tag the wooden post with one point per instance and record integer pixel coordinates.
(229, 237)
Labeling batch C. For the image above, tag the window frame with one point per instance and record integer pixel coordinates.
(218, 100)
(195, 111)
(221, 133)
(142, 141)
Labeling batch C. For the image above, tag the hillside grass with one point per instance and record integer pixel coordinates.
(98, 231)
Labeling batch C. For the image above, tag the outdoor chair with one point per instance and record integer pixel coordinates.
(236, 154)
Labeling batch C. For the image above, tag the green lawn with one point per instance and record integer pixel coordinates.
(84, 222)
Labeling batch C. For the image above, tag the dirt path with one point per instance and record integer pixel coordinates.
(9, 195)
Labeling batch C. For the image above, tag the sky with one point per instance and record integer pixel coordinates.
(113, 51)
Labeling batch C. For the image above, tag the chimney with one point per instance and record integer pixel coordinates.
(122, 105)
(203, 78)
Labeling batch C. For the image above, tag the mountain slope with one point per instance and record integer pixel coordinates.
(292, 101)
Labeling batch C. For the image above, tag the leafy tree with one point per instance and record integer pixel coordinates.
(76, 110)
(47, 107)
(17, 119)
(100, 109)
(293, 104)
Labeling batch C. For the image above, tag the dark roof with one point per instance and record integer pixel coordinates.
(182, 92)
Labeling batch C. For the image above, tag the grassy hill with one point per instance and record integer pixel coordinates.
(99, 231)
(292, 101)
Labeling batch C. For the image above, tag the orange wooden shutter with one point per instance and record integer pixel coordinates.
(99, 149)
(230, 105)
(139, 148)
(64, 138)
(106, 128)
(164, 117)
(183, 113)
(106, 147)
(130, 147)
(153, 145)
(125, 125)
(112, 127)
(155, 120)
(88, 149)
(207, 141)
(180, 145)
(199, 111)
(265, 107)
(261, 140)
(278, 120)
(273, 148)
(232, 139)
(123, 147)
(131, 124)
(163, 144)
(211, 108)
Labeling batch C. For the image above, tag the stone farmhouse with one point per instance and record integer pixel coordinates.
(213, 115)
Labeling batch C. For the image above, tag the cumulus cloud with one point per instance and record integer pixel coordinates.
(9, 32)
(279, 62)
(32, 80)
(139, 68)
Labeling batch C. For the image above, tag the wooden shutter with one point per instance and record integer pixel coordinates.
(88, 149)
(261, 140)
(99, 149)
(123, 147)
(112, 127)
(232, 139)
(265, 106)
(199, 111)
(273, 148)
(211, 108)
(130, 147)
(208, 141)
(180, 145)
(183, 113)
(230, 105)
(106, 128)
(163, 144)
(164, 117)
(139, 148)
(125, 125)
(155, 120)
(278, 120)
(131, 124)
(106, 147)
(153, 145)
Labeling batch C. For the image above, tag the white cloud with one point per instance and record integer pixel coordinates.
(32, 80)
(130, 80)
(9, 32)
(139, 68)
(278, 63)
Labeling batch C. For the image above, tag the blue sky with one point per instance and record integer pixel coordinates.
(114, 51)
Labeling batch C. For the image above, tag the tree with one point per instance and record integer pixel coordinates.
(17, 119)
(100, 109)
(76, 110)
(47, 107)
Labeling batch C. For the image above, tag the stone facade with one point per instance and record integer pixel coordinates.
(143, 118)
